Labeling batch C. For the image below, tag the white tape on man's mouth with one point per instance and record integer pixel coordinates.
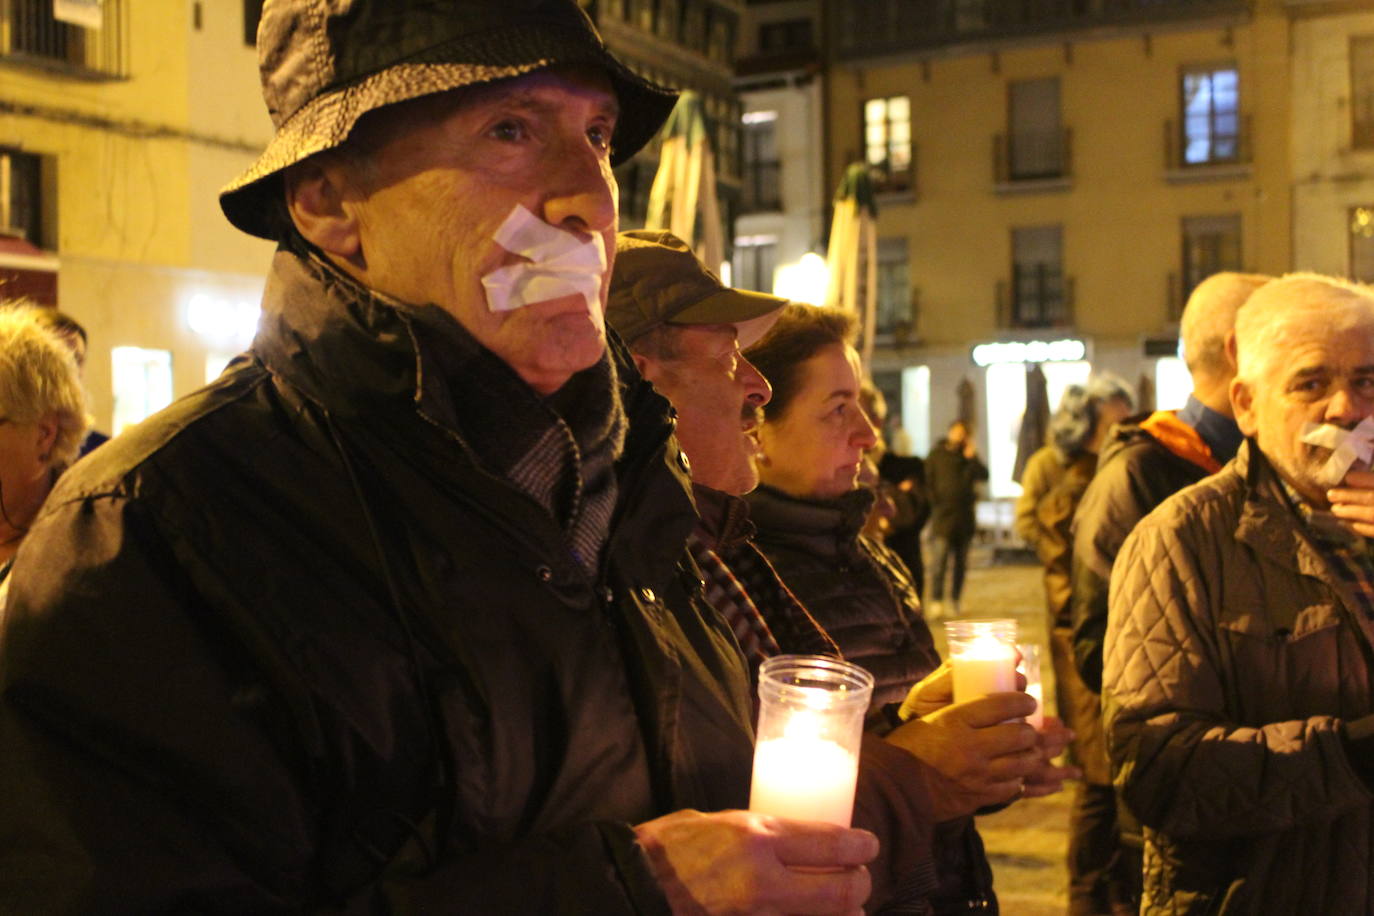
(560, 264)
(1349, 448)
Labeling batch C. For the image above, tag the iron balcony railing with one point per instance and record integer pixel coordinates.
(874, 28)
(1039, 296)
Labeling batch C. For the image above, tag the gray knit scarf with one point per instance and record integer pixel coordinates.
(560, 450)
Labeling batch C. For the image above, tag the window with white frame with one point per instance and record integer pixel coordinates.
(887, 141)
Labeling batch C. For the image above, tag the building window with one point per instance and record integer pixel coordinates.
(1211, 116)
(694, 26)
(761, 191)
(1362, 92)
(722, 37)
(887, 141)
(81, 36)
(1362, 244)
(642, 14)
(669, 19)
(788, 35)
(756, 256)
(1037, 289)
(894, 286)
(252, 15)
(615, 9)
(1210, 244)
(142, 384)
(21, 195)
(1035, 139)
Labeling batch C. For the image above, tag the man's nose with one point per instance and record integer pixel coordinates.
(584, 196)
(757, 391)
(1344, 408)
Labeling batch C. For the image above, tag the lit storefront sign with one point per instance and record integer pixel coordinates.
(1029, 351)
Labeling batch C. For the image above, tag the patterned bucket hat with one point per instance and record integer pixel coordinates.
(326, 63)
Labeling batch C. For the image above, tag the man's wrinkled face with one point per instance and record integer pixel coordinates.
(718, 394)
(430, 192)
(1323, 376)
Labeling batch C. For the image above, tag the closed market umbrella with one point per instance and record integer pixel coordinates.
(682, 198)
(852, 257)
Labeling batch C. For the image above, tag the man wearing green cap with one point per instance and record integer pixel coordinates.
(395, 616)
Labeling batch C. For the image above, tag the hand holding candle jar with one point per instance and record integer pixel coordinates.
(982, 654)
(806, 760)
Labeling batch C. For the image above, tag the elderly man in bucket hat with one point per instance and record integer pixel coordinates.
(395, 616)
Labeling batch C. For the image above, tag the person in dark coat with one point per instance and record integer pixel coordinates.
(953, 472)
(396, 616)
(810, 512)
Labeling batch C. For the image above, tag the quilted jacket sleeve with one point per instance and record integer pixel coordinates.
(1184, 767)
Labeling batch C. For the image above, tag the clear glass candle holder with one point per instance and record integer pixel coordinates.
(811, 720)
(1030, 667)
(982, 654)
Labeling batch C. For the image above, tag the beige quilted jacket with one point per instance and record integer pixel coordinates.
(1233, 658)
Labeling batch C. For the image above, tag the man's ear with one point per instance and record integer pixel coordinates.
(645, 365)
(1230, 345)
(1243, 404)
(315, 197)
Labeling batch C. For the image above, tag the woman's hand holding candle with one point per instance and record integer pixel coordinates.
(979, 752)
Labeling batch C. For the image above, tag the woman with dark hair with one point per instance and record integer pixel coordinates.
(809, 511)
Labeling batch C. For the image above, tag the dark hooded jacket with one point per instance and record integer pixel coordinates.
(1144, 461)
(288, 647)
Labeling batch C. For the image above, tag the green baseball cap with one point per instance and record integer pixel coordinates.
(657, 280)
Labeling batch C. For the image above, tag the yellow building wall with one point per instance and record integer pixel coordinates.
(135, 165)
(1121, 218)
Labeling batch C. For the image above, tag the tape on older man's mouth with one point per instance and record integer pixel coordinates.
(1350, 448)
(560, 264)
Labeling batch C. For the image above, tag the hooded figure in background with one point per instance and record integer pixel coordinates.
(1053, 484)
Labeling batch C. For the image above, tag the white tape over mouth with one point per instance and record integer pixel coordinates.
(560, 264)
(1349, 448)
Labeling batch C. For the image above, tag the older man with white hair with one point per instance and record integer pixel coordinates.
(1239, 679)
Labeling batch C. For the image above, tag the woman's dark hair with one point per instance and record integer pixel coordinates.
(800, 333)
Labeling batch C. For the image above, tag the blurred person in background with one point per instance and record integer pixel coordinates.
(74, 336)
(953, 472)
(1100, 878)
(1144, 460)
(902, 508)
(810, 511)
(43, 419)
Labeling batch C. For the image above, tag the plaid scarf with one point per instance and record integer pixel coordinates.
(745, 589)
(1347, 552)
(560, 450)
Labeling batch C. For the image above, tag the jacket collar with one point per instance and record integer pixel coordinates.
(835, 523)
(1268, 522)
(723, 518)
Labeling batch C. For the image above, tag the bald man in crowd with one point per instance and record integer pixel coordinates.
(1238, 688)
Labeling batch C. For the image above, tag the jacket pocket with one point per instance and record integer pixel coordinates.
(1285, 665)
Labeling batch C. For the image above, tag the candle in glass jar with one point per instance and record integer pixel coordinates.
(805, 777)
(982, 654)
(806, 761)
(1030, 667)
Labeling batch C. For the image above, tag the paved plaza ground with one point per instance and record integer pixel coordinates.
(1026, 842)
